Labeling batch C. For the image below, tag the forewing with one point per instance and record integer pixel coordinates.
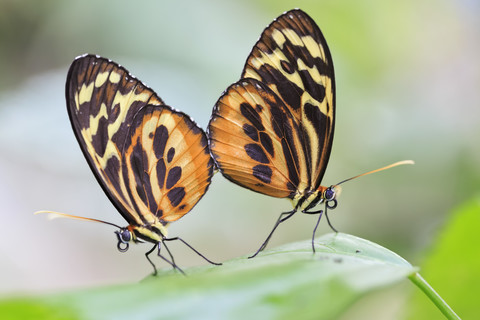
(255, 140)
(292, 58)
(102, 100)
(167, 165)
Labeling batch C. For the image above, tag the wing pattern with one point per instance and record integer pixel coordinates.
(255, 139)
(166, 164)
(151, 160)
(293, 67)
(293, 59)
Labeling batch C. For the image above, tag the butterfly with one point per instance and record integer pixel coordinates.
(272, 131)
(151, 160)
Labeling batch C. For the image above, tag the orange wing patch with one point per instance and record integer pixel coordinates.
(255, 140)
(165, 164)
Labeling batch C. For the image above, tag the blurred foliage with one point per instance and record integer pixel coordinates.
(280, 283)
(18, 22)
(452, 266)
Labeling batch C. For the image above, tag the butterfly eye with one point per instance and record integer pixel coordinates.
(124, 236)
(329, 194)
(330, 202)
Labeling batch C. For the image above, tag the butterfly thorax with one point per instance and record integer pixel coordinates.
(308, 199)
(152, 233)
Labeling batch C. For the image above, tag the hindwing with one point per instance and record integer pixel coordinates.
(166, 164)
(151, 160)
(255, 140)
(292, 58)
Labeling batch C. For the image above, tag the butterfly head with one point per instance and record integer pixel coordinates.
(330, 194)
(327, 195)
(124, 236)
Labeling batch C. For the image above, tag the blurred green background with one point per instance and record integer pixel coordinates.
(408, 79)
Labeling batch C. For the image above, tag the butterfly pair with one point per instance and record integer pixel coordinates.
(270, 132)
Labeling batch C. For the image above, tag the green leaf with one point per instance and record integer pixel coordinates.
(453, 266)
(281, 283)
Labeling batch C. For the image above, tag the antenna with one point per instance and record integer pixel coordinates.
(54, 214)
(396, 164)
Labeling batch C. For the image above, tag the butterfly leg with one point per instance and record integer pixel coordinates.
(328, 220)
(150, 260)
(172, 261)
(320, 212)
(283, 217)
(330, 206)
(193, 249)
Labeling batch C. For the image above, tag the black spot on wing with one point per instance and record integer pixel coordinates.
(161, 172)
(174, 175)
(262, 173)
(252, 115)
(250, 131)
(255, 152)
(176, 195)
(100, 139)
(160, 140)
(266, 143)
(170, 154)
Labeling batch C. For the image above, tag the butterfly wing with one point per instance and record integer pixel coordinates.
(255, 140)
(166, 164)
(292, 58)
(107, 106)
